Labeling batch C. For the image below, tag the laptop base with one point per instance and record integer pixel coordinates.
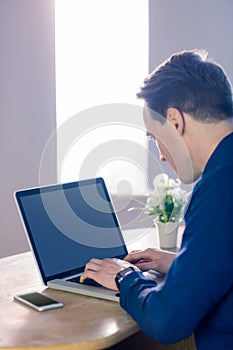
(97, 292)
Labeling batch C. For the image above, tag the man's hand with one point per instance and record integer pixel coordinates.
(104, 271)
(151, 259)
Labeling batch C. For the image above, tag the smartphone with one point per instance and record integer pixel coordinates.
(38, 301)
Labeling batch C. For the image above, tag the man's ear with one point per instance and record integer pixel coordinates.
(176, 118)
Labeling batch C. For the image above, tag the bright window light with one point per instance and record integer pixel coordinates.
(101, 58)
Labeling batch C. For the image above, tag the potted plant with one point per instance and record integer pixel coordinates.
(166, 204)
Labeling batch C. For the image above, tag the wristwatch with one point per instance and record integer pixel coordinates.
(120, 275)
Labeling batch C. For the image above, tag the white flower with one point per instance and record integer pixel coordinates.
(167, 201)
(177, 193)
(158, 195)
(160, 181)
(173, 183)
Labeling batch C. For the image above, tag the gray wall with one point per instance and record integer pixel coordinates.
(177, 25)
(27, 105)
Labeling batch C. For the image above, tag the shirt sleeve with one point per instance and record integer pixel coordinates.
(199, 276)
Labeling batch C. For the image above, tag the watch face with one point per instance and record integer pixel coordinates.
(125, 271)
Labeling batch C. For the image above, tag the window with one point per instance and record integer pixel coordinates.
(101, 60)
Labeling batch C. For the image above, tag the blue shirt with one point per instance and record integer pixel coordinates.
(197, 295)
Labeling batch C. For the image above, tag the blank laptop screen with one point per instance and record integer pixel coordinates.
(69, 224)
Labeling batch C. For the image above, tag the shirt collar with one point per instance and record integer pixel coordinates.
(221, 156)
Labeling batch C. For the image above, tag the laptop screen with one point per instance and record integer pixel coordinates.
(69, 224)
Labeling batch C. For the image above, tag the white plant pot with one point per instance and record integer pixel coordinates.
(167, 233)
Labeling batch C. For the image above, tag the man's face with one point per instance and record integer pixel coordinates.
(171, 146)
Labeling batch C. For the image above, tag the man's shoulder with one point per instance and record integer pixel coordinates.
(210, 209)
(215, 189)
(219, 178)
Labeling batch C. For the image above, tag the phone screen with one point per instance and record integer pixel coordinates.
(38, 301)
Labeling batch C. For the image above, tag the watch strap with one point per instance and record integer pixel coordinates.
(121, 275)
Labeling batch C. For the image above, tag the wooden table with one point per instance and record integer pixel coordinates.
(84, 323)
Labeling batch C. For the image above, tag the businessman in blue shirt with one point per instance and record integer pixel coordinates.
(189, 114)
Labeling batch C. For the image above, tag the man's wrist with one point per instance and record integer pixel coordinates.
(123, 273)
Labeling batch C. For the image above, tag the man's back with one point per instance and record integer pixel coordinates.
(209, 232)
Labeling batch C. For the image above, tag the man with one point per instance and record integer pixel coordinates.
(195, 135)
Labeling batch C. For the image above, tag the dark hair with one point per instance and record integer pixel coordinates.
(191, 83)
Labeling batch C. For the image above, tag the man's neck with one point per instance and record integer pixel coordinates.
(203, 138)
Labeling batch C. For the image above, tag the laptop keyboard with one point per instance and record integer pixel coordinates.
(87, 281)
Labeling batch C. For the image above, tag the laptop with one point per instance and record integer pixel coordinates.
(67, 225)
